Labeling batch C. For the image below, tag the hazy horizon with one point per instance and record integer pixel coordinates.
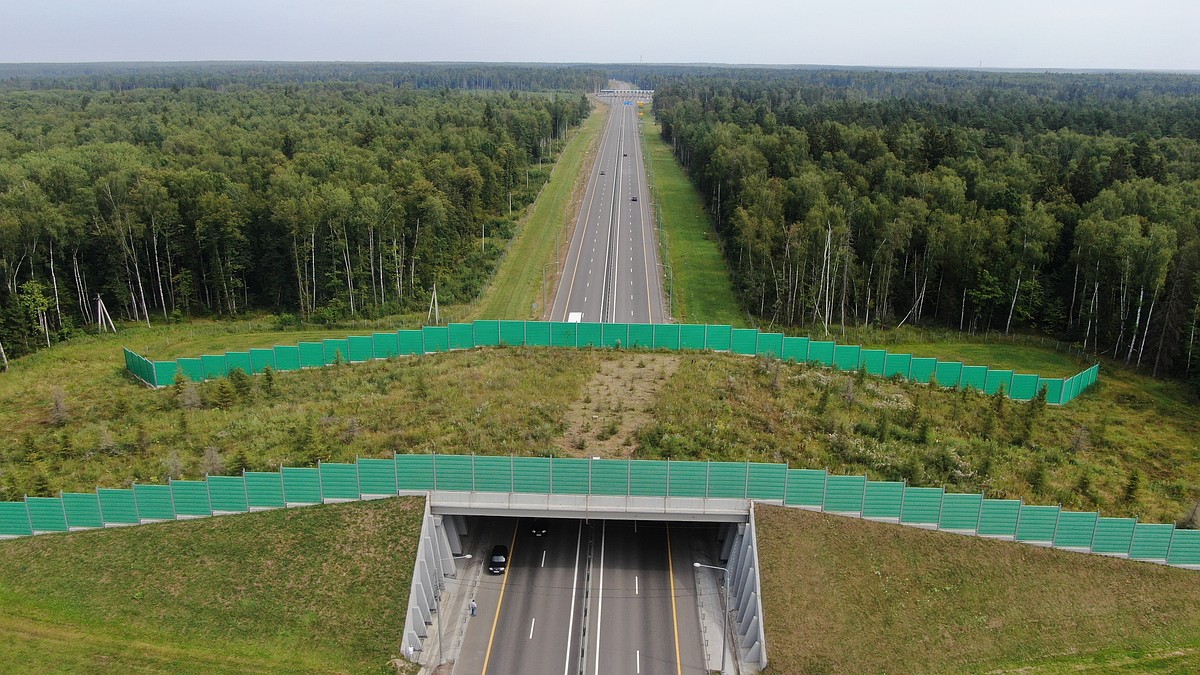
(1069, 35)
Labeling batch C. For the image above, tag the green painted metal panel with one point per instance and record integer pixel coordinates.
(563, 334)
(46, 514)
(960, 512)
(718, 338)
(615, 335)
(385, 345)
(1037, 523)
(1185, 548)
(312, 354)
(118, 507)
(686, 479)
(532, 474)
(973, 377)
(410, 342)
(846, 357)
(261, 359)
(922, 505)
(770, 345)
(493, 474)
(795, 349)
(821, 352)
(537, 334)
(239, 360)
(264, 490)
(414, 472)
(362, 348)
(377, 476)
(844, 494)
(767, 481)
(301, 485)
(335, 350)
(82, 509)
(872, 360)
(1075, 529)
(191, 498)
(287, 358)
(590, 334)
(1024, 387)
(453, 472)
(922, 369)
(641, 335)
(193, 368)
(462, 335)
(897, 364)
(512, 333)
(998, 517)
(1150, 541)
(339, 481)
(437, 339)
(666, 336)
(569, 476)
(744, 341)
(487, 333)
(610, 476)
(727, 479)
(164, 373)
(648, 478)
(693, 336)
(154, 502)
(215, 366)
(882, 499)
(997, 380)
(948, 373)
(805, 487)
(227, 494)
(14, 519)
(1113, 535)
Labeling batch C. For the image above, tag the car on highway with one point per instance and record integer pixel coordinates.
(633, 198)
(538, 527)
(498, 561)
(624, 154)
(601, 172)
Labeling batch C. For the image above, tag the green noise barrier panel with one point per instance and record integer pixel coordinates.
(815, 489)
(671, 337)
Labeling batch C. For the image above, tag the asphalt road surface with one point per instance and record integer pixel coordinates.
(588, 598)
(611, 273)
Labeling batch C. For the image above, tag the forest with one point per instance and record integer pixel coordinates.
(1064, 204)
(165, 198)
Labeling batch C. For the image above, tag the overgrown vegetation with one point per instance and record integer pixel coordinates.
(843, 595)
(317, 589)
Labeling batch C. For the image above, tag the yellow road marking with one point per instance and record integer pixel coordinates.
(503, 584)
(674, 615)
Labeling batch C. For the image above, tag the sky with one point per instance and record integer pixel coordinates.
(1068, 34)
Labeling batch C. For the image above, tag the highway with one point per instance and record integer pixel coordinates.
(588, 598)
(611, 272)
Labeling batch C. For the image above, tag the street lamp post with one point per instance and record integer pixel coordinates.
(437, 607)
(724, 609)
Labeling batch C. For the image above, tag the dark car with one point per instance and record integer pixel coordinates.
(633, 198)
(498, 561)
(601, 172)
(538, 527)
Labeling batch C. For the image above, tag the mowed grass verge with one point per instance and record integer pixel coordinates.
(703, 292)
(842, 595)
(515, 291)
(315, 589)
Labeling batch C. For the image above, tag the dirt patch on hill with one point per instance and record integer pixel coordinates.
(603, 423)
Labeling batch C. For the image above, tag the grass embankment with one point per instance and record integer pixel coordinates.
(702, 290)
(515, 291)
(849, 596)
(317, 589)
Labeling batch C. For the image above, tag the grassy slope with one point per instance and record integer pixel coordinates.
(515, 291)
(317, 589)
(702, 289)
(845, 595)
